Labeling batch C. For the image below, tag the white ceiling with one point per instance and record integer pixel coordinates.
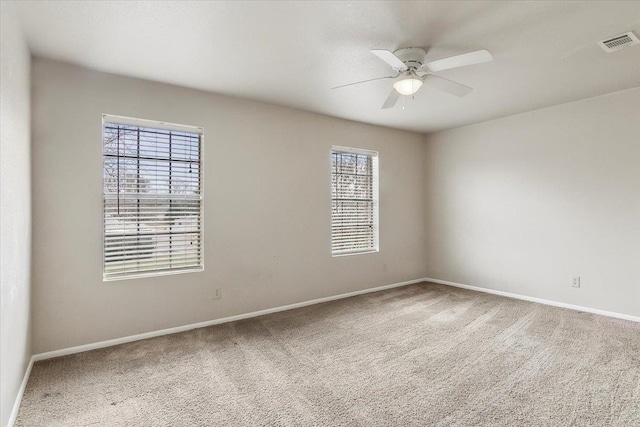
(291, 53)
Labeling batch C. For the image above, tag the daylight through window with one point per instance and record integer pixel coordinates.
(152, 198)
(354, 201)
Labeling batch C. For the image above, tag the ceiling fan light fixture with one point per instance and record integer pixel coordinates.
(407, 86)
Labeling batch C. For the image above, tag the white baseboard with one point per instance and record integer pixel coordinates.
(117, 341)
(538, 300)
(152, 334)
(131, 338)
(23, 387)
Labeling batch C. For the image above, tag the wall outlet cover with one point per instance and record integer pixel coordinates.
(576, 282)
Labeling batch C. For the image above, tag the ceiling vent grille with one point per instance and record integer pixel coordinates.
(619, 42)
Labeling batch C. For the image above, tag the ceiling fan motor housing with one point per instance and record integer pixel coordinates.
(413, 57)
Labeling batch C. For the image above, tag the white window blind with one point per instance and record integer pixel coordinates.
(152, 191)
(354, 201)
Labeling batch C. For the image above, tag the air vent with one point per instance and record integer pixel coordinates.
(619, 42)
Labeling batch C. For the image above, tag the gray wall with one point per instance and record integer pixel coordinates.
(267, 208)
(524, 203)
(15, 209)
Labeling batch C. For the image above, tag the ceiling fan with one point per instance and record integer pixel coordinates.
(412, 70)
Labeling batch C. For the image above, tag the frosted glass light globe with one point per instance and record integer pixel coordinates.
(407, 86)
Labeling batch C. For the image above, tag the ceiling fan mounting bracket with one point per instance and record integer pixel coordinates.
(413, 57)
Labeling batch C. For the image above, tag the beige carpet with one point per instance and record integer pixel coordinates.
(421, 355)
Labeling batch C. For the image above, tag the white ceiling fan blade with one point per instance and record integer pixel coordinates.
(388, 57)
(391, 99)
(471, 58)
(365, 81)
(448, 86)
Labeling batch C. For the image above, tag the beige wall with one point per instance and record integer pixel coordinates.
(15, 209)
(267, 208)
(520, 204)
(524, 203)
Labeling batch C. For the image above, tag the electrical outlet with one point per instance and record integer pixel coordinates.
(576, 282)
(217, 293)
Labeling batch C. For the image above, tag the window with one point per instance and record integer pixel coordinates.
(152, 194)
(354, 201)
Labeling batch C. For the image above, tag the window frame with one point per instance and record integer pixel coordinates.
(375, 171)
(160, 125)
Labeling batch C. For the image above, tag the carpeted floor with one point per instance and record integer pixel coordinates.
(421, 355)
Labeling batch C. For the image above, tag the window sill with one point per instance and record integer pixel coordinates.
(152, 274)
(370, 251)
